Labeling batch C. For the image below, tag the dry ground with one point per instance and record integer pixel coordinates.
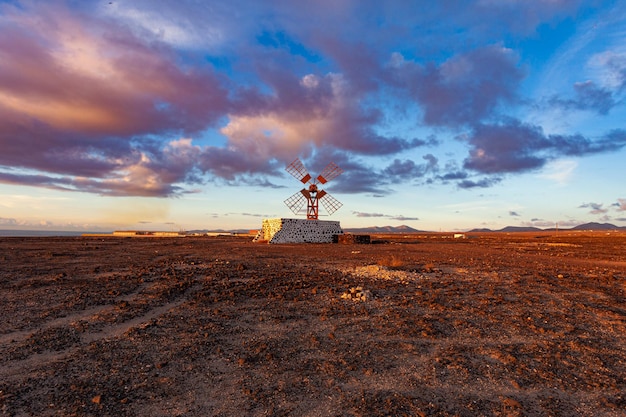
(495, 325)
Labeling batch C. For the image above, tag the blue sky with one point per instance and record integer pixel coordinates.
(447, 115)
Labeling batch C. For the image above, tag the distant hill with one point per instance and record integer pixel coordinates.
(383, 229)
(597, 226)
(519, 229)
(586, 226)
(509, 229)
(407, 229)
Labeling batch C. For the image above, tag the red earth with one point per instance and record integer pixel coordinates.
(520, 324)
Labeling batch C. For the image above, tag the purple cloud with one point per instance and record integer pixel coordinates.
(464, 89)
(588, 97)
(406, 170)
(483, 183)
(85, 102)
(596, 208)
(513, 146)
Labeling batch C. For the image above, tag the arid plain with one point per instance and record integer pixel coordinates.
(520, 324)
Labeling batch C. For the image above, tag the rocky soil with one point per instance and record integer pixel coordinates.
(492, 325)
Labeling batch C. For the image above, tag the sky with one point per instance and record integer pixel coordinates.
(183, 115)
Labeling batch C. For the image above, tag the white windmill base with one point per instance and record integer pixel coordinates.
(298, 231)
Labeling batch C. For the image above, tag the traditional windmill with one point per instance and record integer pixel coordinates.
(312, 195)
(311, 229)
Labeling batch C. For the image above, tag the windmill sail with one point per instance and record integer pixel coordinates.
(331, 171)
(330, 203)
(299, 172)
(296, 202)
(312, 195)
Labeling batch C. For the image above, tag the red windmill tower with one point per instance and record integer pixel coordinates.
(312, 195)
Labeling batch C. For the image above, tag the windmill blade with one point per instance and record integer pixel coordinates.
(330, 203)
(331, 171)
(297, 201)
(299, 172)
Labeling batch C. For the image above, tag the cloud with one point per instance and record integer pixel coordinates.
(589, 96)
(621, 204)
(114, 98)
(514, 146)
(149, 176)
(611, 68)
(255, 215)
(178, 25)
(358, 176)
(362, 214)
(392, 217)
(120, 86)
(464, 89)
(482, 183)
(81, 100)
(4, 221)
(505, 148)
(400, 170)
(311, 110)
(453, 175)
(596, 208)
(559, 170)
(360, 179)
(404, 218)
(514, 214)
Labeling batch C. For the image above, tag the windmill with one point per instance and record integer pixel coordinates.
(312, 195)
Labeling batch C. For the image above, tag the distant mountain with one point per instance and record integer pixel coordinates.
(383, 229)
(597, 226)
(519, 229)
(508, 229)
(586, 226)
(407, 229)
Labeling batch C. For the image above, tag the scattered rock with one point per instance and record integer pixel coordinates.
(357, 294)
(382, 272)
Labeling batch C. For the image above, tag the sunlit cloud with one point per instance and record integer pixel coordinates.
(363, 214)
(381, 215)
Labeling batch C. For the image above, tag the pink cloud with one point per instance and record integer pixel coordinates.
(79, 74)
(74, 90)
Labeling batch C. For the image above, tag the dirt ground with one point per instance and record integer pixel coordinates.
(495, 325)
